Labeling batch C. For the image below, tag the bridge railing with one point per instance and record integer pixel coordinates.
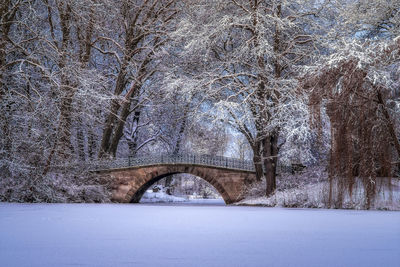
(203, 160)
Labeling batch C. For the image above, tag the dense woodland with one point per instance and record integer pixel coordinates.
(307, 82)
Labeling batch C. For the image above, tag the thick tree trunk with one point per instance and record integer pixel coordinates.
(270, 157)
(64, 146)
(91, 143)
(270, 143)
(108, 128)
(118, 132)
(257, 160)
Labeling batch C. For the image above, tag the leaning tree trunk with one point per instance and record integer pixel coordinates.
(118, 132)
(117, 128)
(112, 114)
(114, 125)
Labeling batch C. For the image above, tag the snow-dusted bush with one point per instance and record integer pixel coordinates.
(72, 184)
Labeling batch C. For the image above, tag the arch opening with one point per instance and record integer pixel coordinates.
(182, 187)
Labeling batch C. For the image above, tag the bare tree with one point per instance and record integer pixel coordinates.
(145, 26)
(242, 56)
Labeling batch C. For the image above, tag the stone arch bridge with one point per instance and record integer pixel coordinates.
(131, 177)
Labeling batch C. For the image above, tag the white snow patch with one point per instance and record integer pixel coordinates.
(160, 196)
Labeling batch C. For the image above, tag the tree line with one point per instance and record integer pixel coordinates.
(304, 81)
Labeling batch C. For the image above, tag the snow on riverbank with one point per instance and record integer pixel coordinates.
(308, 196)
(41, 235)
(316, 196)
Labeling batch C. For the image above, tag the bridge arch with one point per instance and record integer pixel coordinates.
(135, 194)
(129, 183)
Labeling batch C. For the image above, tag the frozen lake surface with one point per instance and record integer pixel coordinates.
(188, 235)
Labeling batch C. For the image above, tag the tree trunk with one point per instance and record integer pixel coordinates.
(85, 50)
(178, 144)
(5, 140)
(181, 132)
(125, 111)
(270, 157)
(7, 16)
(389, 125)
(114, 126)
(91, 143)
(5, 144)
(257, 160)
(118, 132)
(64, 146)
(133, 144)
(2, 67)
(112, 116)
(108, 129)
(80, 140)
(270, 143)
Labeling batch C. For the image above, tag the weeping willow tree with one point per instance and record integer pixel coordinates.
(359, 91)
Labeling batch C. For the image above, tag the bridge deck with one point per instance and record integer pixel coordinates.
(190, 159)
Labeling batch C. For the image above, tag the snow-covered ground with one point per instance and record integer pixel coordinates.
(158, 235)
